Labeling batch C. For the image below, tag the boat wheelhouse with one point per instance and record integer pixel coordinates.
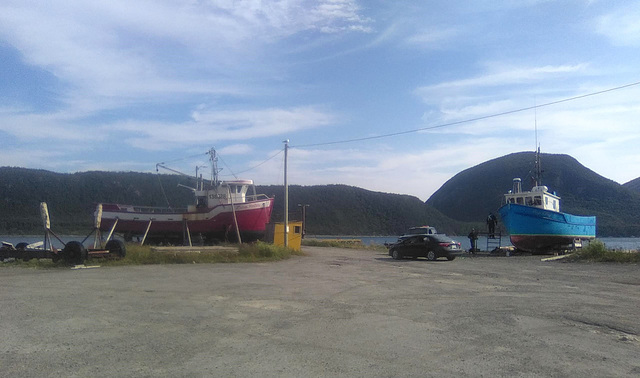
(539, 197)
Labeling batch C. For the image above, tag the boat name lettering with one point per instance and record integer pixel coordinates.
(218, 196)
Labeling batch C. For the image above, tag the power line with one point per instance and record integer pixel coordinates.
(469, 120)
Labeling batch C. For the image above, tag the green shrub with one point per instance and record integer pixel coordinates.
(596, 251)
(260, 251)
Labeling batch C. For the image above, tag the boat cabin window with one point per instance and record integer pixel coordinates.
(537, 201)
(520, 201)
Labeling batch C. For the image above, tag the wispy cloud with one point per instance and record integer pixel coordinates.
(499, 75)
(435, 37)
(621, 25)
(217, 126)
(118, 49)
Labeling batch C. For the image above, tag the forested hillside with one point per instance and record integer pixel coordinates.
(333, 209)
(633, 184)
(474, 192)
(72, 198)
(462, 202)
(348, 210)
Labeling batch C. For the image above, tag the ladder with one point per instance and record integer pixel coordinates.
(494, 242)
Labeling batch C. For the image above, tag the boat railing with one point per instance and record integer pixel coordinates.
(153, 209)
(257, 197)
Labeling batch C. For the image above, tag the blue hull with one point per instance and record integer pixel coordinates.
(537, 230)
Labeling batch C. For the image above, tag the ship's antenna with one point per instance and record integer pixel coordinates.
(538, 172)
(538, 168)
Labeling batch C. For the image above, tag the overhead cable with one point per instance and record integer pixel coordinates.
(468, 120)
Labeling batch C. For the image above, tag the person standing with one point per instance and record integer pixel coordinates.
(473, 238)
(491, 223)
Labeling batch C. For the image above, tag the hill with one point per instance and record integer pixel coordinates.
(72, 198)
(473, 193)
(462, 202)
(349, 210)
(633, 184)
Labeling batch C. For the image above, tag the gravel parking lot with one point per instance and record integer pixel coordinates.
(334, 312)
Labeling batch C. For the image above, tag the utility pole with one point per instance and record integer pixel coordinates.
(286, 196)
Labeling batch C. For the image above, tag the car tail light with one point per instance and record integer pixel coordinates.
(444, 244)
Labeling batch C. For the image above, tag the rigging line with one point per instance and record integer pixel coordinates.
(256, 166)
(471, 119)
(226, 165)
(163, 193)
(183, 158)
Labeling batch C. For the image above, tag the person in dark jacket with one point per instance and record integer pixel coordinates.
(491, 223)
(473, 238)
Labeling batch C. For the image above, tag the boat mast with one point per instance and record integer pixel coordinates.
(213, 157)
(538, 168)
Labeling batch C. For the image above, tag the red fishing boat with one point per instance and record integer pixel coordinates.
(222, 210)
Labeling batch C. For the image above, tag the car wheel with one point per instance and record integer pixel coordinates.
(396, 255)
(431, 256)
(451, 257)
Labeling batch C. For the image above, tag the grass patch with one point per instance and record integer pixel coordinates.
(596, 251)
(34, 264)
(260, 251)
(342, 244)
(145, 255)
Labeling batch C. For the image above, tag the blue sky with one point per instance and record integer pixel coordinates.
(123, 85)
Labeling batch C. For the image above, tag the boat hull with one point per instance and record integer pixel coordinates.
(538, 230)
(216, 223)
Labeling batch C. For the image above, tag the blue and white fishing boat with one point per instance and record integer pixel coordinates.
(535, 223)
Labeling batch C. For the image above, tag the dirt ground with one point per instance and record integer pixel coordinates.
(334, 312)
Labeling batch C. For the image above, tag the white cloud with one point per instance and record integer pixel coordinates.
(435, 37)
(498, 76)
(621, 26)
(236, 149)
(216, 126)
(118, 49)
